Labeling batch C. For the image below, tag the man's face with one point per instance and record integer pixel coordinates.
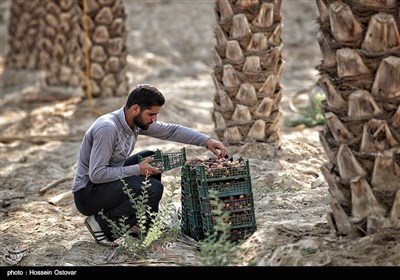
(146, 117)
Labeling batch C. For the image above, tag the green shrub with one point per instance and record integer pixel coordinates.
(310, 115)
(217, 249)
(151, 228)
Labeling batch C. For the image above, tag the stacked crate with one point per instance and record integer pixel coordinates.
(232, 182)
(191, 224)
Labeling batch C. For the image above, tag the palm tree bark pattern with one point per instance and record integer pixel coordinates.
(247, 69)
(360, 75)
(49, 35)
(107, 47)
(24, 30)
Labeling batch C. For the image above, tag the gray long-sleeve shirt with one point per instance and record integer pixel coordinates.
(110, 141)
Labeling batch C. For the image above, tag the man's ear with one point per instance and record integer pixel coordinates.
(135, 109)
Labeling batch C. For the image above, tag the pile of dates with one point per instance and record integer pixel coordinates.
(239, 218)
(237, 202)
(219, 167)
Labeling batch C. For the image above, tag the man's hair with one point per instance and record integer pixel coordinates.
(145, 96)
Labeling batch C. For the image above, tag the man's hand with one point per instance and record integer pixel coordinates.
(146, 168)
(215, 145)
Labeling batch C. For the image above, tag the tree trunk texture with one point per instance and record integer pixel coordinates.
(45, 35)
(360, 75)
(247, 70)
(107, 47)
(24, 31)
(49, 35)
(60, 53)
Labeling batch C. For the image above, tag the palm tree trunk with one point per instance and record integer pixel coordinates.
(49, 35)
(44, 35)
(106, 33)
(24, 31)
(247, 70)
(60, 52)
(360, 75)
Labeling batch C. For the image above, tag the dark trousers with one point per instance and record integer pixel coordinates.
(111, 198)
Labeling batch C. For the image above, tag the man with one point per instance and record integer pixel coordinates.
(105, 158)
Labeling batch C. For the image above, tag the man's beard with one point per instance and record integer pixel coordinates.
(139, 122)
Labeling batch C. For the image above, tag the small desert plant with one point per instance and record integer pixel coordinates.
(217, 249)
(151, 227)
(310, 115)
(284, 182)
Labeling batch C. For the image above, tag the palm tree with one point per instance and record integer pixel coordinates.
(247, 70)
(45, 35)
(68, 39)
(23, 33)
(60, 49)
(360, 75)
(104, 46)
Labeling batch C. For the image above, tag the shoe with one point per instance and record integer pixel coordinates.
(94, 228)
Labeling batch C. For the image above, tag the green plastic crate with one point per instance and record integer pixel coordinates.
(191, 201)
(196, 233)
(242, 233)
(188, 181)
(226, 187)
(194, 218)
(232, 182)
(235, 220)
(240, 227)
(191, 224)
(167, 161)
(241, 170)
(184, 221)
(238, 203)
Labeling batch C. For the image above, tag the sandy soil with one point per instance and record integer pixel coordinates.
(169, 43)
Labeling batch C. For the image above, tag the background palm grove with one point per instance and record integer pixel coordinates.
(326, 183)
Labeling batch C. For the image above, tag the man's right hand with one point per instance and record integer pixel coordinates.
(146, 168)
